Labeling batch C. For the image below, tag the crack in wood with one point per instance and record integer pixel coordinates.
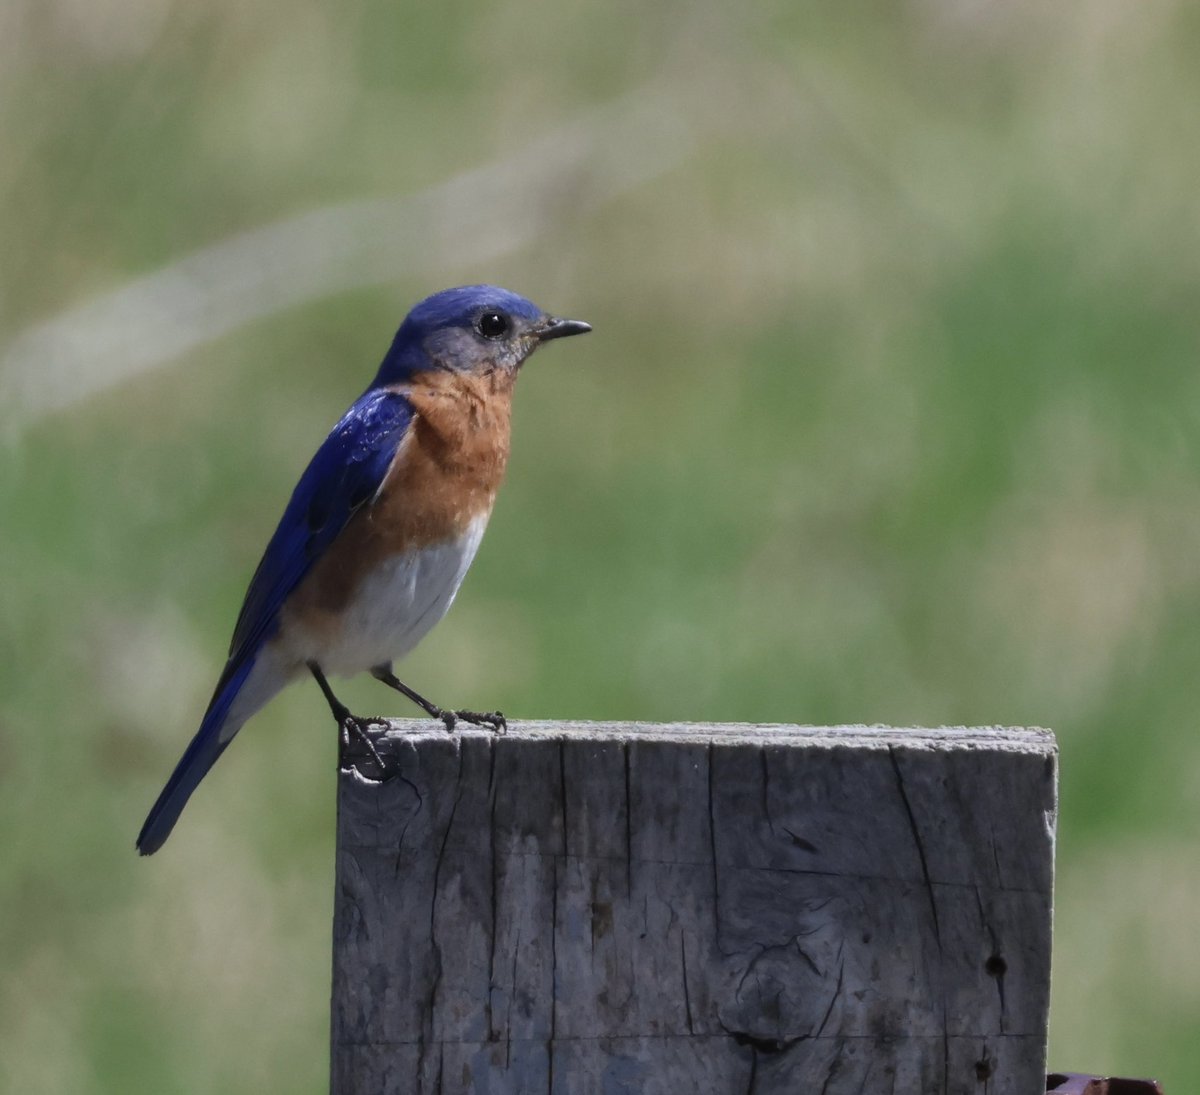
(937, 932)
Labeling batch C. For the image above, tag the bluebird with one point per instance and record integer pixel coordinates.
(381, 528)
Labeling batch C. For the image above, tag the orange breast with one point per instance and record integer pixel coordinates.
(445, 475)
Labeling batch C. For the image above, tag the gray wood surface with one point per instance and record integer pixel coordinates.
(614, 908)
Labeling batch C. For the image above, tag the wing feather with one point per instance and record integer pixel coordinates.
(343, 476)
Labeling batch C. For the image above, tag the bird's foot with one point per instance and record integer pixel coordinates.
(357, 729)
(450, 719)
(494, 719)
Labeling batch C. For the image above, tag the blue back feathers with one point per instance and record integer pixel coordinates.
(343, 476)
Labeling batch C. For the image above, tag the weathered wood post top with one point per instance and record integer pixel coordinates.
(578, 907)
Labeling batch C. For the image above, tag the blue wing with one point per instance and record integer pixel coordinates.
(344, 475)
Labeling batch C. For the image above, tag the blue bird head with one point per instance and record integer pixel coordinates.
(472, 329)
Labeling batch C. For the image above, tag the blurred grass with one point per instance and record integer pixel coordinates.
(891, 414)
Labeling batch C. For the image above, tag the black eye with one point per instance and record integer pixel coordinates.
(493, 324)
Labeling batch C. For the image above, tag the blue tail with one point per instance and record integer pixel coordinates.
(199, 757)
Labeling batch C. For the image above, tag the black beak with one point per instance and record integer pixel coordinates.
(560, 328)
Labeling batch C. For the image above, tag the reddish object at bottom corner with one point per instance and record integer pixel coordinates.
(1076, 1083)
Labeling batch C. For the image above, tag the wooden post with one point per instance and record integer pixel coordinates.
(661, 909)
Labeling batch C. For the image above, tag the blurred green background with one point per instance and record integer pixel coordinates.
(891, 414)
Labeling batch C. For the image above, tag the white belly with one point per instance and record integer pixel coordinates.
(394, 607)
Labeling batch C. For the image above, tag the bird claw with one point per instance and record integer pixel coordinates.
(356, 727)
(451, 719)
(494, 719)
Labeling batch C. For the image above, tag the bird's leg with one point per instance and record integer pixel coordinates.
(348, 723)
(494, 719)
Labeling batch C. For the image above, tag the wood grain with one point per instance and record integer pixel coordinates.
(576, 907)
